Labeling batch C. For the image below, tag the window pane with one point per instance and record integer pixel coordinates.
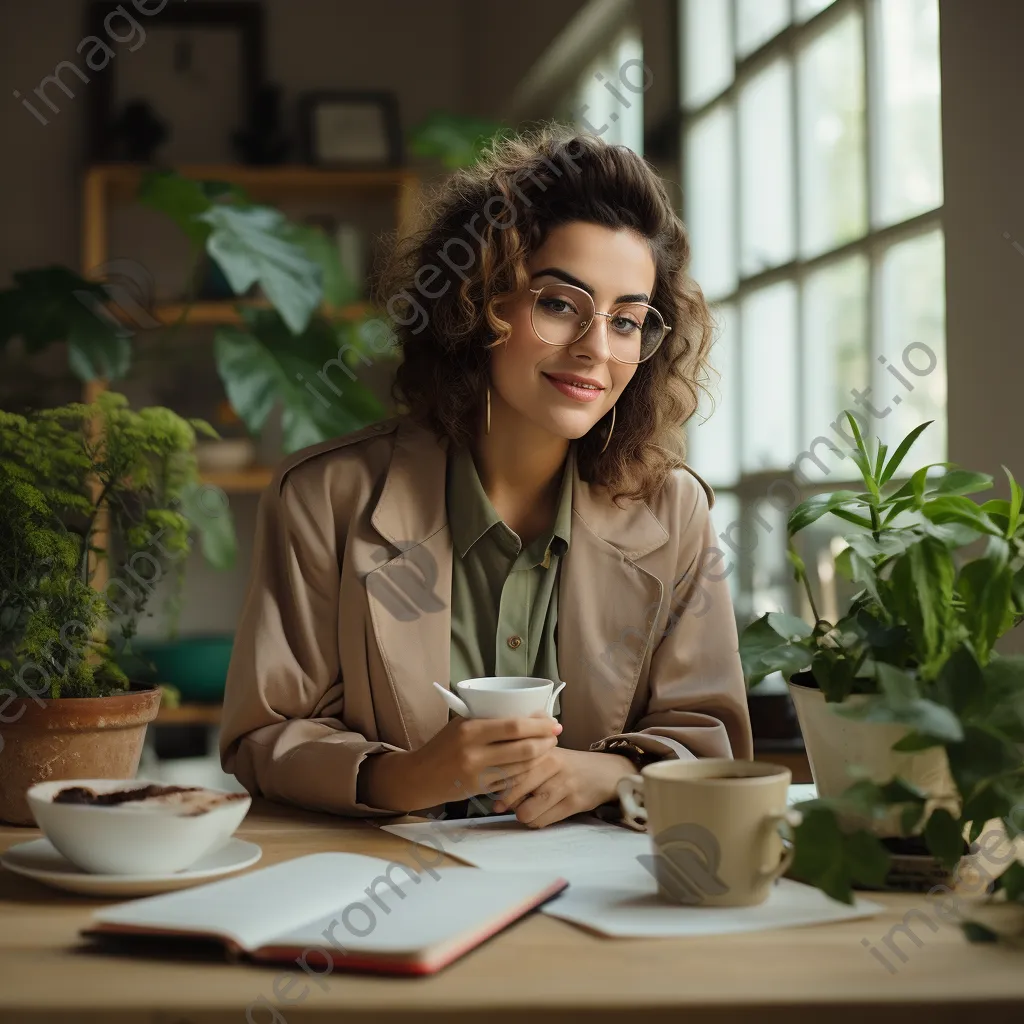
(808, 8)
(709, 202)
(913, 343)
(706, 47)
(910, 145)
(627, 75)
(771, 575)
(832, 185)
(757, 21)
(766, 169)
(725, 518)
(768, 358)
(713, 434)
(835, 360)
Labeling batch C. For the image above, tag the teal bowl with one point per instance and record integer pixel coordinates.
(197, 666)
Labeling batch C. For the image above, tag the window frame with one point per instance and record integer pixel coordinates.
(751, 487)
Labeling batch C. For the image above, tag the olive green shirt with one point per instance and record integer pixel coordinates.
(504, 595)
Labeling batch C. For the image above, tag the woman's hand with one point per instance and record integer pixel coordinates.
(469, 756)
(564, 782)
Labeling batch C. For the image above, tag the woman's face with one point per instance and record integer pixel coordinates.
(535, 378)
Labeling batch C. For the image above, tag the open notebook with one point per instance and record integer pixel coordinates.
(361, 913)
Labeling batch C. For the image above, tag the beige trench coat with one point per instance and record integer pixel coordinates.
(347, 621)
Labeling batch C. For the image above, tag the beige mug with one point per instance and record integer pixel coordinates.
(715, 826)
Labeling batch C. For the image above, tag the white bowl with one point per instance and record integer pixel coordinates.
(132, 840)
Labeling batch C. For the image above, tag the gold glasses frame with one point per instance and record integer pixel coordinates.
(585, 325)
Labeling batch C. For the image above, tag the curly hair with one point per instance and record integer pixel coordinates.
(485, 222)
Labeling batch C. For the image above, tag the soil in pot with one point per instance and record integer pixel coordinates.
(70, 738)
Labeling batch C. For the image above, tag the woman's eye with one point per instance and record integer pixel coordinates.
(557, 306)
(625, 324)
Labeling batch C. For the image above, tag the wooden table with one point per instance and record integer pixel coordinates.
(539, 970)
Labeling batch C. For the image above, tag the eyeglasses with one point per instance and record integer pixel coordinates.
(562, 314)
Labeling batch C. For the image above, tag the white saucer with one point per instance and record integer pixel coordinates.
(40, 860)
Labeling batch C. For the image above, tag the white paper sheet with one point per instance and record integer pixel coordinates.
(607, 906)
(610, 891)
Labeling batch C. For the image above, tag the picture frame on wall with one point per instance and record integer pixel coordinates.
(191, 87)
(350, 129)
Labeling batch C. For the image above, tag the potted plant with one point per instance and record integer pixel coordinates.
(913, 723)
(297, 350)
(90, 494)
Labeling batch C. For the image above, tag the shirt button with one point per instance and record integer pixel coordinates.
(514, 641)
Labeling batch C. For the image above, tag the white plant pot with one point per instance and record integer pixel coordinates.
(835, 745)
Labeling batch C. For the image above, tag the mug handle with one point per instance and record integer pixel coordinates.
(774, 821)
(630, 789)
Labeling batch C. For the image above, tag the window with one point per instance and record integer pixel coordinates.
(812, 181)
(608, 98)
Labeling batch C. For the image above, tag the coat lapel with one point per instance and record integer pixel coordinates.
(608, 608)
(409, 594)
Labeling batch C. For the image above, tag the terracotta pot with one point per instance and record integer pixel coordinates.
(835, 744)
(70, 738)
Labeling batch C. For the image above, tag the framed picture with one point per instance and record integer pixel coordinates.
(185, 90)
(351, 129)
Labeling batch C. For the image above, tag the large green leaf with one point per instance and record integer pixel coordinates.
(52, 304)
(763, 650)
(263, 365)
(986, 588)
(250, 244)
(943, 835)
(922, 715)
(831, 859)
(921, 593)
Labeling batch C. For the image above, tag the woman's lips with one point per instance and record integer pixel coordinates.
(580, 394)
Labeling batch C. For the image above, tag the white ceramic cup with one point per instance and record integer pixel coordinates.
(502, 697)
(714, 825)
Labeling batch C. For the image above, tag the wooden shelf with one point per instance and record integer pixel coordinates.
(250, 480)
(189, 714)
(122, 179)
(226, 311)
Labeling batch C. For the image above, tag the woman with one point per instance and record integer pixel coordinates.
(529, 515)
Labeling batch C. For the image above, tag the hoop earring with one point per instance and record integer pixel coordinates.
(610, 429)
(488, 426)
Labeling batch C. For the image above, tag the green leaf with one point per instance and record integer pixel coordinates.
(789, 627)
(208, 510)
(901, 453)
(954, 508)
(457, 140)
(52, 304)
(338, 288)
(961, 481)
(922, 715)
(852, 517)
(814, 507)
(899, 687)
(986, 588)
(832, 860)
(1016, 496)
(262, 366)
(921, 593)
(184, 200)
(880, 458)
(250, 246)
(944, 837)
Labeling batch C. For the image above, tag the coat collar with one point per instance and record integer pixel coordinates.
(411, 506)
